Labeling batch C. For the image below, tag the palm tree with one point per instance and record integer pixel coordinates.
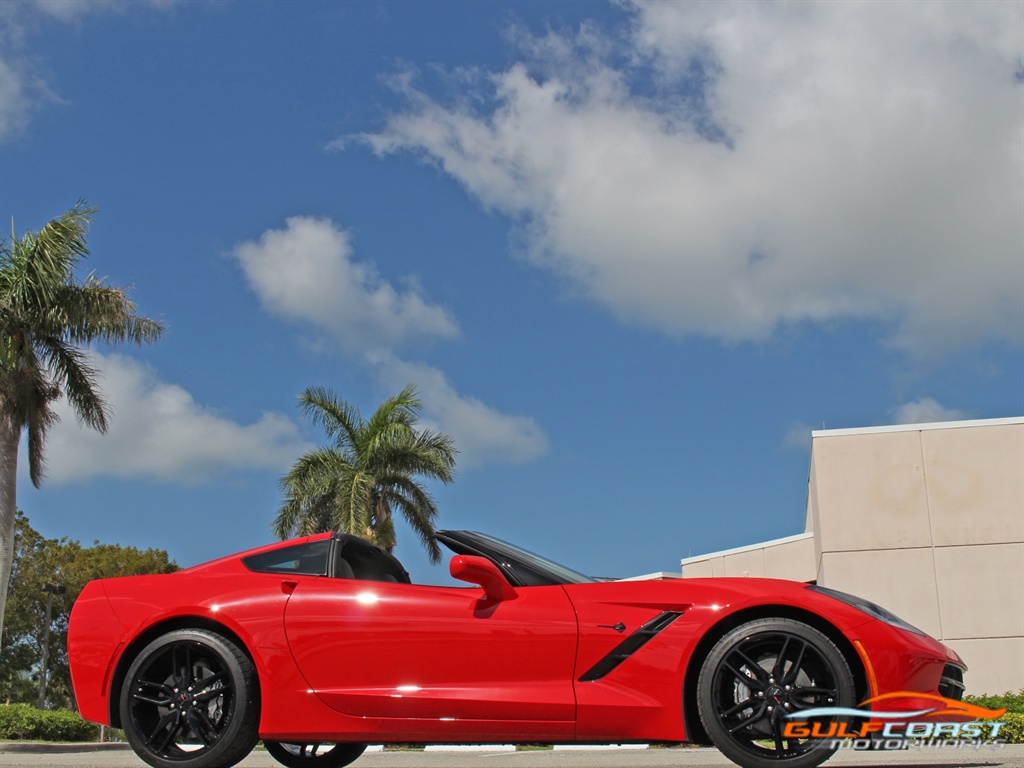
(368, 471)
(46, 317)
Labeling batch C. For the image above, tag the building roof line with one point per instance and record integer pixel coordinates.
(918, 427)
(748, 548)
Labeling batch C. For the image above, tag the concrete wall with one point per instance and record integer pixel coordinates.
(926, 520)
(790, 558)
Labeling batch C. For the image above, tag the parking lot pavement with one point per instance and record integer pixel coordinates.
(1009, 757)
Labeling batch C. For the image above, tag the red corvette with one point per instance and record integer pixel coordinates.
(321, 645)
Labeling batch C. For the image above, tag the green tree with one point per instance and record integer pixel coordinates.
(370, 470)
(63, 563)
(46, 316)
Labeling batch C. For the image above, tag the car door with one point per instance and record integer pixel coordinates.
(634, 642)
(380, 649)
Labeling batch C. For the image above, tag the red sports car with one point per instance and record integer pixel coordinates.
(321, 645)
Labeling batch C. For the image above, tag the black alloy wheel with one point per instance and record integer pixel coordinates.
(313, 754)
(191, 700)
(756, 676)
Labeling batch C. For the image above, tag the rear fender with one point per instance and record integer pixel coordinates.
(95, 641)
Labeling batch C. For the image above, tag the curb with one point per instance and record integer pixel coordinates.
(42, 747)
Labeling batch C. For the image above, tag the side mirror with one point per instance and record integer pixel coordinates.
(480, 571)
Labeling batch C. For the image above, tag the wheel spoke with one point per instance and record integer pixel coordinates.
(811, 691)
(753, 681)
(740, 707)
(776, 721)
(779, 668)
(203, 727)
(168, 727)
(794, 670)
(211, 693)
(168, 694)
(753, 666)
(177, 667)
(750, 720)
(801, 705)
(205, 685)
(165, 702)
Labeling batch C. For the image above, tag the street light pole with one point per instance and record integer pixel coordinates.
(50, 590)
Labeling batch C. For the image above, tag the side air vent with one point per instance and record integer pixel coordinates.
(629, 646)
(952, 684)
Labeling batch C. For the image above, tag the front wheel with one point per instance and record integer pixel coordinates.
(313, 754)
(191, 700)
(755, 677)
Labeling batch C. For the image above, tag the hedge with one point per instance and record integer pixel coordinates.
(1012, 702)
(1013, 731)
(23, 722)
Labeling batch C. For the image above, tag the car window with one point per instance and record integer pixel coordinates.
(360, 560)
(309, 558)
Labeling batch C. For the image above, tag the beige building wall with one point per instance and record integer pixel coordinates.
(790, 558)
(928, 521)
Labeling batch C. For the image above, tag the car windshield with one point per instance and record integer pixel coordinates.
(529, 569)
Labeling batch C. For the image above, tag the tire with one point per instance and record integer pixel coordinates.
(191, 699)
(313, 754)
(755, 676)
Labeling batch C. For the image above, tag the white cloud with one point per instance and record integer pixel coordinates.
(68, 11)
(72, 10)
(924, 411)
(796, 162)
(306, 272)
(159, 432)
(19, 95)
(23, 91)
(798, 437)
(482, 435)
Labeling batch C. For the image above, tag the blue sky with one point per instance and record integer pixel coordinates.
(630, 253)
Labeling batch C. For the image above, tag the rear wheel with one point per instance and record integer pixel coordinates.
(755, 677)
(313, 754)
(191, 700)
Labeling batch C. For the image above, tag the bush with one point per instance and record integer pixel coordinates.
(1013, 702)
(1013, 731)
(23, 722)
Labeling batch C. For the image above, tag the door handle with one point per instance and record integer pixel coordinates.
(620, 627)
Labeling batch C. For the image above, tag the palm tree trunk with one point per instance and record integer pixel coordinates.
(383, 526)
(10, 437)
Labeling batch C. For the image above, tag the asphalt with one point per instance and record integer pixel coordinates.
(21, 755)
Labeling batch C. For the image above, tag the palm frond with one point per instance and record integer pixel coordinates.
(99, 312)
(401, 409)
(38, 420)
(38, 264)
(70, 366)
(338, 419)
(420, 512)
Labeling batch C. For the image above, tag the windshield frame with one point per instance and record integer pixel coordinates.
(521, 567)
